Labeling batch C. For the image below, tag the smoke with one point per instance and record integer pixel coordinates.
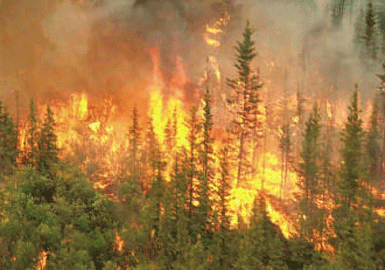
(299, 37)
(52, 48)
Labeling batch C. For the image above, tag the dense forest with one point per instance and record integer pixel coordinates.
(223, 179)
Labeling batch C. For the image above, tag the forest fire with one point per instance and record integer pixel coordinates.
(185, 157)
(91, 129)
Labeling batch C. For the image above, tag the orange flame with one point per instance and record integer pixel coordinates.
(118, 243)
(216, 29)
(161, 110)
(42, 264)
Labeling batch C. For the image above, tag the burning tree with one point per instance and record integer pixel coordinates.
(244, 99)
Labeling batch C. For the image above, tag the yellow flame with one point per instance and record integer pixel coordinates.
(162, 110)
(329, 109)
(118, 243)
(94, 126)
(213, 30)
(42, 264)
(79, 105)
(214, 65)
(211, 41)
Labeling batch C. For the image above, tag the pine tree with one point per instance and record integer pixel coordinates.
(134, 141)
(171, 133)
(206, 176)
(262, 246)
(47, 146)
(154, 209)
(223, 235)
(8, 142)
(367, 35)
(244, 100)
(152, 153)
(285, 144)
(373, 147)
(309, 175)
(32, 151)
(370, 36)
(382, 109)
(191, 166)
(339, 9)
(352, 137)
(354, 203)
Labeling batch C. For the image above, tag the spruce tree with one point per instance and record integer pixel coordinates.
(286, 146)
(31, 147)
(206, 176)
(47, 146)
(370, 36)
(367, 35)
(191, 161)
(353, 201)
(262, 246)
(373, 147)
(222, 237)
(309, 175)
(382, 118)
(152, 153)
(154, 208)
(8, 142)
(244, 98)
(352, 138)
(134, 142)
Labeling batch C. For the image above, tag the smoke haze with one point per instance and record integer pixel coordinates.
(52, 48)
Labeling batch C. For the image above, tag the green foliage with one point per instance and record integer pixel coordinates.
(262, 246)
(244, 98)
(73, 223)
(32, 149)
(370, 35)
(310, 178)
(354, 204)
(8, 142)
(134, 142)
(373, 147)
(47, 147)
(352, 170)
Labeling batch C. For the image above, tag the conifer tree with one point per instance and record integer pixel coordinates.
(171, 133)
(8, 142)
(262, 246)
(134, 137)
(382, 127)
(367, 36)
(352, 170)
(370, 36)
(47, 146)
(32, 150)
(285, 143)
(206, 177)
(191, 166)
(151, 155)
(309, 175)
(222, 237)
(373, 147)
(154, 208)
(337, 11)
(244, 99)
(353, 200)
